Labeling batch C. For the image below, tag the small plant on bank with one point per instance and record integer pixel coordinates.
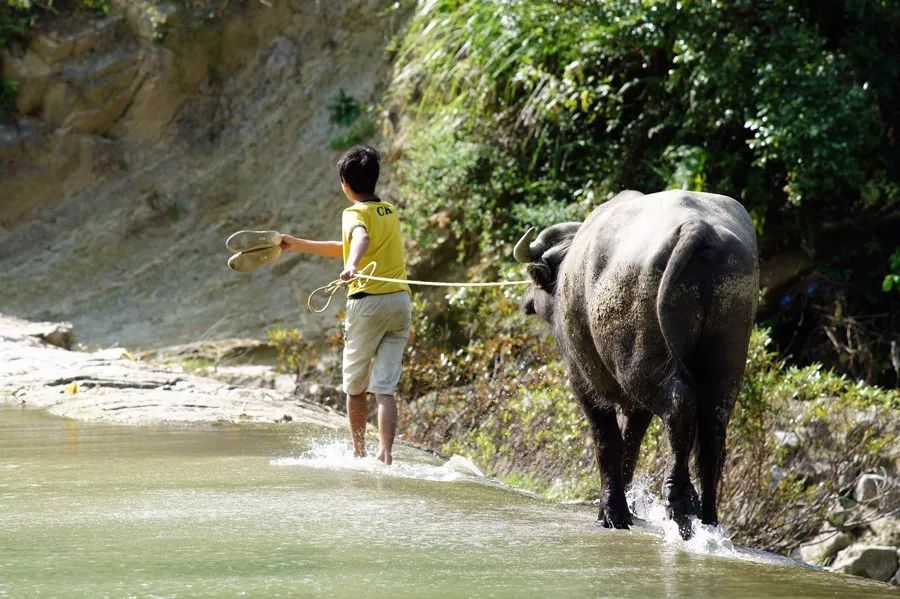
(343, 110)
(357, 122)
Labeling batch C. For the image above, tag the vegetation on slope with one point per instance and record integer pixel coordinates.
(528, 113)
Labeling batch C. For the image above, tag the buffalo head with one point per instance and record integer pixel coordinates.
(543, 254)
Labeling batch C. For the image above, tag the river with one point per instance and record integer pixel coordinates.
(89, 510)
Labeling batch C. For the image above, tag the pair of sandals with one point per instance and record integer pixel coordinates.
(254, 249)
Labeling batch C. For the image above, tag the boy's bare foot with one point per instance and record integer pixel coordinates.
(385, 457)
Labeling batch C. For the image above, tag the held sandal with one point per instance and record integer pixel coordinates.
(251, 260)
(248, 241)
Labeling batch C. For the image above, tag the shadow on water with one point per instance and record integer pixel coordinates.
(98, 510)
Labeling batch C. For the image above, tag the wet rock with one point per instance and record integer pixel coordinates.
(775, 274)
(871, 561)
(824, 546)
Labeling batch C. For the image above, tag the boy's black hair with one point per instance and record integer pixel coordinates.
(359, 168)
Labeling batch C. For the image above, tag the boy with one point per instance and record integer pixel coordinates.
(378, 316)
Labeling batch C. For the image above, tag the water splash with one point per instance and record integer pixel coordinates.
(706, 539)
(337, 455)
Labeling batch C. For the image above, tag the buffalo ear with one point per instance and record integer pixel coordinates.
(541, 275)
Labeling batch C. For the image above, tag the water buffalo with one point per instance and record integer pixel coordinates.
(651, 301)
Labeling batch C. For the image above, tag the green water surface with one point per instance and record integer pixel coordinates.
(210, 511)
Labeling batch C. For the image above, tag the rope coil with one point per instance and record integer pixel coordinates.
(366, 274)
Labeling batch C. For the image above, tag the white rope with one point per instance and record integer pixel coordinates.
(332, 287)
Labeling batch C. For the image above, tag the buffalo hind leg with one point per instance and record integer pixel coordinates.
(713, 422)
(681, 424)
(634, 427)
(609, 446)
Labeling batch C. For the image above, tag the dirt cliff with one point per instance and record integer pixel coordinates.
(143, 138)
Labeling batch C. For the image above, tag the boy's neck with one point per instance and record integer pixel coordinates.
(359, 198)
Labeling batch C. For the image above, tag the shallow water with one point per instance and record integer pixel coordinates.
(95, 510)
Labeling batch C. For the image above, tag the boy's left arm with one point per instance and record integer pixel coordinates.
(359, 243)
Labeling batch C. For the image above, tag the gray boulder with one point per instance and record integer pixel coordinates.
(871, 561)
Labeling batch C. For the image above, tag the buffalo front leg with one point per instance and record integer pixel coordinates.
(681, 424)
(610, 450)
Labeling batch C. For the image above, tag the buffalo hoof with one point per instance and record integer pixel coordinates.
(684, 527)
(681, 500)
(611, 518)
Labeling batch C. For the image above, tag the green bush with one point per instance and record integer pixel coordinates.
(764, 102)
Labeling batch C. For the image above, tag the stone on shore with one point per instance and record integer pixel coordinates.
(872, 561)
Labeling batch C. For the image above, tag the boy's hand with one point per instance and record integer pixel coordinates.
(348, 273)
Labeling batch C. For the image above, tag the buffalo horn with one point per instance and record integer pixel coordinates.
(522, 253)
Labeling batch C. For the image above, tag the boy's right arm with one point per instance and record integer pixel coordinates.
(328, 249)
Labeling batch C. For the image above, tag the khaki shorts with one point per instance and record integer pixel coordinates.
(375, 332)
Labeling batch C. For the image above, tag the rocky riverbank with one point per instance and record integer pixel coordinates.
(37, 369)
